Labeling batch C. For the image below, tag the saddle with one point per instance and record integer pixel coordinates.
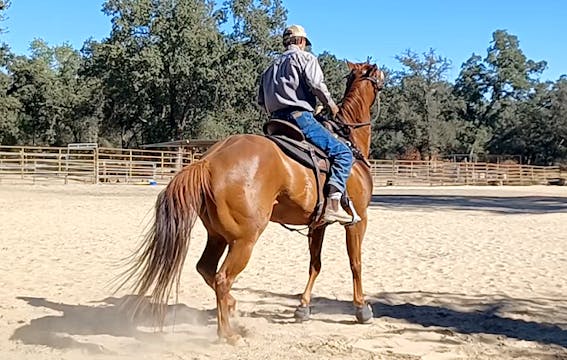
(292, 142)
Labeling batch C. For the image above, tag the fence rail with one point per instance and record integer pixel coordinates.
(108, 165)
(400, 172)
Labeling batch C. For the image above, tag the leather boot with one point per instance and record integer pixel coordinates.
(334, 212)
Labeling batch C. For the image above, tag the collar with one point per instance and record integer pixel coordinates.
(292, 48)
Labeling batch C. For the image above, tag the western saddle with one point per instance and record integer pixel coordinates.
(293, 143)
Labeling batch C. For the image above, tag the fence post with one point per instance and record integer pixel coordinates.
(129, 168)
(179, 161)
(95, 159)
(162, 165)
(59, 163)
(22, 160)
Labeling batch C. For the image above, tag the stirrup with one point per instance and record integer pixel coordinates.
(355, 217)
(330, 216)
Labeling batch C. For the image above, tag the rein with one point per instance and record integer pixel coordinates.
(342, 122)
(346, 127)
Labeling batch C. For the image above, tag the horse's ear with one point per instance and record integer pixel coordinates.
(375, 68)
(371, 69)
(351, 66)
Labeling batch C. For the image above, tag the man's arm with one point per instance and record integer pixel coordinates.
(316, 81)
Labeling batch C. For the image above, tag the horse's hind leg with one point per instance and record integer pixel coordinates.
(316, 236)
(238, 255)
(209, 261)
(354, 235)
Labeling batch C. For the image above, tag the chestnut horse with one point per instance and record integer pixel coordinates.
(239, 186)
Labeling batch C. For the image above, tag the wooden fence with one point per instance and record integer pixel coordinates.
(90, 165)
(439, 173)
(107, 165)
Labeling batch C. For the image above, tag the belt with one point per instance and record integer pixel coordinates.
(284, 113)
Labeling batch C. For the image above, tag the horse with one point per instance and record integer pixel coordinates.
(241, 184)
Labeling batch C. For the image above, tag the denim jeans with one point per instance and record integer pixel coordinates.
(340, 155)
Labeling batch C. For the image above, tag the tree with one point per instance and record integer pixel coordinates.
(558, 123)
(9, 106)
(249, 47)
(335, 72)
(156, 68)
(494, 89)
(4, 5)
(420, 107)
(541, 138)
(56, 105)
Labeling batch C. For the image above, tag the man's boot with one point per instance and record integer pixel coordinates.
(335, 212)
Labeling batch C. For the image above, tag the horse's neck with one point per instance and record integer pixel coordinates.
(355, 108)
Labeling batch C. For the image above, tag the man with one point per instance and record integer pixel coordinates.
(289, 89)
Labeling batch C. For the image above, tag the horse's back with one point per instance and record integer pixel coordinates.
(253, 153)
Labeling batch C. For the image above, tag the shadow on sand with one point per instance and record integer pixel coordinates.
(110, 317)
(495, 204)
(483, 314)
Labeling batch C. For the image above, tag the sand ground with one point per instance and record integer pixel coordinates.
(452, 273)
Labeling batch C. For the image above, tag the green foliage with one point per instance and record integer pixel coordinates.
(335, 72)
(156, 69)
(55, 103)
(420, 109)
(4, 5)
(503, 99)
(174, 69)
(168, 72)
(255, 38)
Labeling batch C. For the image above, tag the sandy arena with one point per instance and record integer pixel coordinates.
(452, 273)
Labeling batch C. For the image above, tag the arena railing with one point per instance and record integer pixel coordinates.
(31, 164)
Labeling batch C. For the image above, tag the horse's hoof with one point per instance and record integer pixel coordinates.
(364, 314)
(234, 339)
(302, 313)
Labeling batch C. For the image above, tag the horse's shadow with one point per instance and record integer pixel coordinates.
(484, 314)
(112, 316)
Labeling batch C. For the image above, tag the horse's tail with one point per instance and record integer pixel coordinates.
(159, 259)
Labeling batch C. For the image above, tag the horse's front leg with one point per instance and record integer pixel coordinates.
(303, 312)
(354, 236)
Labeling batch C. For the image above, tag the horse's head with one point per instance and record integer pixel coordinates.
(366, 77)
(364, 82)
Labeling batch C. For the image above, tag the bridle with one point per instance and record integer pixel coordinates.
(377, 83)
(344, 128)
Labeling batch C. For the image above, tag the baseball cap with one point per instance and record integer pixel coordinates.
(296, 31)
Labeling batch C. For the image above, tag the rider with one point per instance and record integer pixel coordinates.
(289, 89)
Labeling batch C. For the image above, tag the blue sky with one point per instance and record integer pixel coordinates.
(352, 30)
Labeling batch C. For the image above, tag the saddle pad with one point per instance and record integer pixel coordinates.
(299, 151)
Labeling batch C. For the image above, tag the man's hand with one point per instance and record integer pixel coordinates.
(334, 110)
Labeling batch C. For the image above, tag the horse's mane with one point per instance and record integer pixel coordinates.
(353, 104)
